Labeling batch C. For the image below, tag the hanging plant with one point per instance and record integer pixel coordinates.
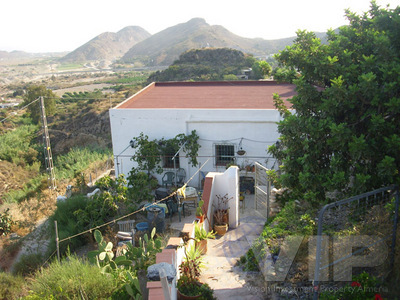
(148, 154)
(191, 146)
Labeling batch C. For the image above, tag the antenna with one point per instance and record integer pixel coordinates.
(51, 178)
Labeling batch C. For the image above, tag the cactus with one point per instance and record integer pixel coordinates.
(120, 267)
(145, 254)
(199, 208)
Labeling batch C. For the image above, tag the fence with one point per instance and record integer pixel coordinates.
(262, 189)
(99, 170)
(339, 216)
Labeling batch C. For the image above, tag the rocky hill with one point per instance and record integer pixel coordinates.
(165, 47)
(205, 64)
(108, 46)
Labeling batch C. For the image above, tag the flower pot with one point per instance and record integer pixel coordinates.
(184, 297)
(202, 245)
(221, 229)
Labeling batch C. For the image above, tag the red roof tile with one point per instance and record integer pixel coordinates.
(210, 95)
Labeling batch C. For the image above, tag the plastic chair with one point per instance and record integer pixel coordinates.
(168, 178)
(180, 176)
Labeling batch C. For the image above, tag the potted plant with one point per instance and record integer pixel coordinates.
(221, 214)
(201, 237)
(199, 211)
(189, 285)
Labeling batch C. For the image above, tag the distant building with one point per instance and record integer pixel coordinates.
(8, 104)
(228, 116)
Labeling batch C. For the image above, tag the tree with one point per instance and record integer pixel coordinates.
(34, 92)
(147, 154)
(344, 134)
(261, 69)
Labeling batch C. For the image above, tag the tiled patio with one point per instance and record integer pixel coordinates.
(227, 280)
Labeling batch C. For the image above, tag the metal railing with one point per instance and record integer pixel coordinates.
(337, 216)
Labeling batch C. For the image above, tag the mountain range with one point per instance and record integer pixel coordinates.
(164, 48)
(134, 45)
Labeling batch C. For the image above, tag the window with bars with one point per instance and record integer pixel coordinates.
(224, 154)
(168, 163)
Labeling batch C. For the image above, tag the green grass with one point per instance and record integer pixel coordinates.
(77, 160)
(16, 145)
(12, 287)
(64, 67)
(72, 278)
(29, 189)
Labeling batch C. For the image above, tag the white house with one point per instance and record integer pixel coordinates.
(228, 116)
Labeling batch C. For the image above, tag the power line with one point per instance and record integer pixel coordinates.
(21, 109)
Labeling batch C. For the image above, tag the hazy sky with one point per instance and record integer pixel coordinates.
(56, 25)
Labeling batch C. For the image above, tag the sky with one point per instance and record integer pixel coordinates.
(60, 25)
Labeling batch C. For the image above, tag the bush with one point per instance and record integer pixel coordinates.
(28, 264)
(6, 222)
(12, 287)
(77, 160)
(67, 223)
(363, 286)
(72, 278)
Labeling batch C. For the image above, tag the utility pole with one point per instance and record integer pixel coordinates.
(48, 158)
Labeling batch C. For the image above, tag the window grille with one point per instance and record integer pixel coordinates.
(168, 163)
(224, 154)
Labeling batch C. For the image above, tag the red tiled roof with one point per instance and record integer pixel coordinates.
(210, 95)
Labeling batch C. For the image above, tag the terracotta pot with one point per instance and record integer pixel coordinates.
(184, 297)
(202, 245)
(221, 229)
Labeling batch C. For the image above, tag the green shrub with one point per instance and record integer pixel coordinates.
(77, 160)
(248, 261)
(12, 287)
(363, 286)
(28, 264)
(6, 222)
(68, 224)
(72, 278)
(16, 145)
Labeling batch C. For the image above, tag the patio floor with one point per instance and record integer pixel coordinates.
(228, 280)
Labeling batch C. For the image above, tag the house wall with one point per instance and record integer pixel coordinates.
(226, 183)
(258, 129)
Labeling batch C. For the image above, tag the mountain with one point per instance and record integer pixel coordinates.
(108, 45)
(164, 48)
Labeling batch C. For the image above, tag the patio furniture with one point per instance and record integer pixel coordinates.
(126, 231)
(180, 176)
(170, 202)
(191, 196)
(168, 179)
